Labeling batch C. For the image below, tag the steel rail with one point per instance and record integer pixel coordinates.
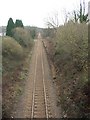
(44, 88)
(45, 96)
(32, 111)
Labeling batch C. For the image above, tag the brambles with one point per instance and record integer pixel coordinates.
(68, 51)
(22, 36)
(72, 42)
(11, 48)
(72, 52)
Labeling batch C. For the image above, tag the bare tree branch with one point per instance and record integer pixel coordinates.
(53, 22)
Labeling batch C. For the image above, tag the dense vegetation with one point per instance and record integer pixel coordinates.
(16, 54)
(69, 46)
(22, 36)
(11, 48)
(68, 51)
(72, 52)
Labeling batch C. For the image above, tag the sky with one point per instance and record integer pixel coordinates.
(36, 12)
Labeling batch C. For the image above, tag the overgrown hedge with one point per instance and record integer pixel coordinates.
(11, 48)
(71, 53)
(22, 36)
(70, 57)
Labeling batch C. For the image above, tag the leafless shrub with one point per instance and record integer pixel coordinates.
(71, 58)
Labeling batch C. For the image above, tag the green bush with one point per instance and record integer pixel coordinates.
(11, 48)
(22, 36)
(18, 23)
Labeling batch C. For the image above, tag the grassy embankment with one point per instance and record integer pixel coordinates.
(16, 54)
(68, 51)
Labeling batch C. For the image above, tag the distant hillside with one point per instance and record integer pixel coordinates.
(36, 28)
(3, 29)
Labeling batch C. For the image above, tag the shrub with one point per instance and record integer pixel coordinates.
(72, 43)
(22, 36)
(19, 23)
(71, 59)
(11, 48)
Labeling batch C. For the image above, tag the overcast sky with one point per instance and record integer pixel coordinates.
(35, 12)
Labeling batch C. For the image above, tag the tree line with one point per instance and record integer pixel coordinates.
(76, 16)
(67, 50)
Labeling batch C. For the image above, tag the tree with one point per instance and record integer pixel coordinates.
(53, 22)
(77, 16)
(81, 16)
(9, 27)
(18, 23)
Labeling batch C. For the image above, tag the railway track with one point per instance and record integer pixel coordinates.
(40, 96)
(39, 99)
